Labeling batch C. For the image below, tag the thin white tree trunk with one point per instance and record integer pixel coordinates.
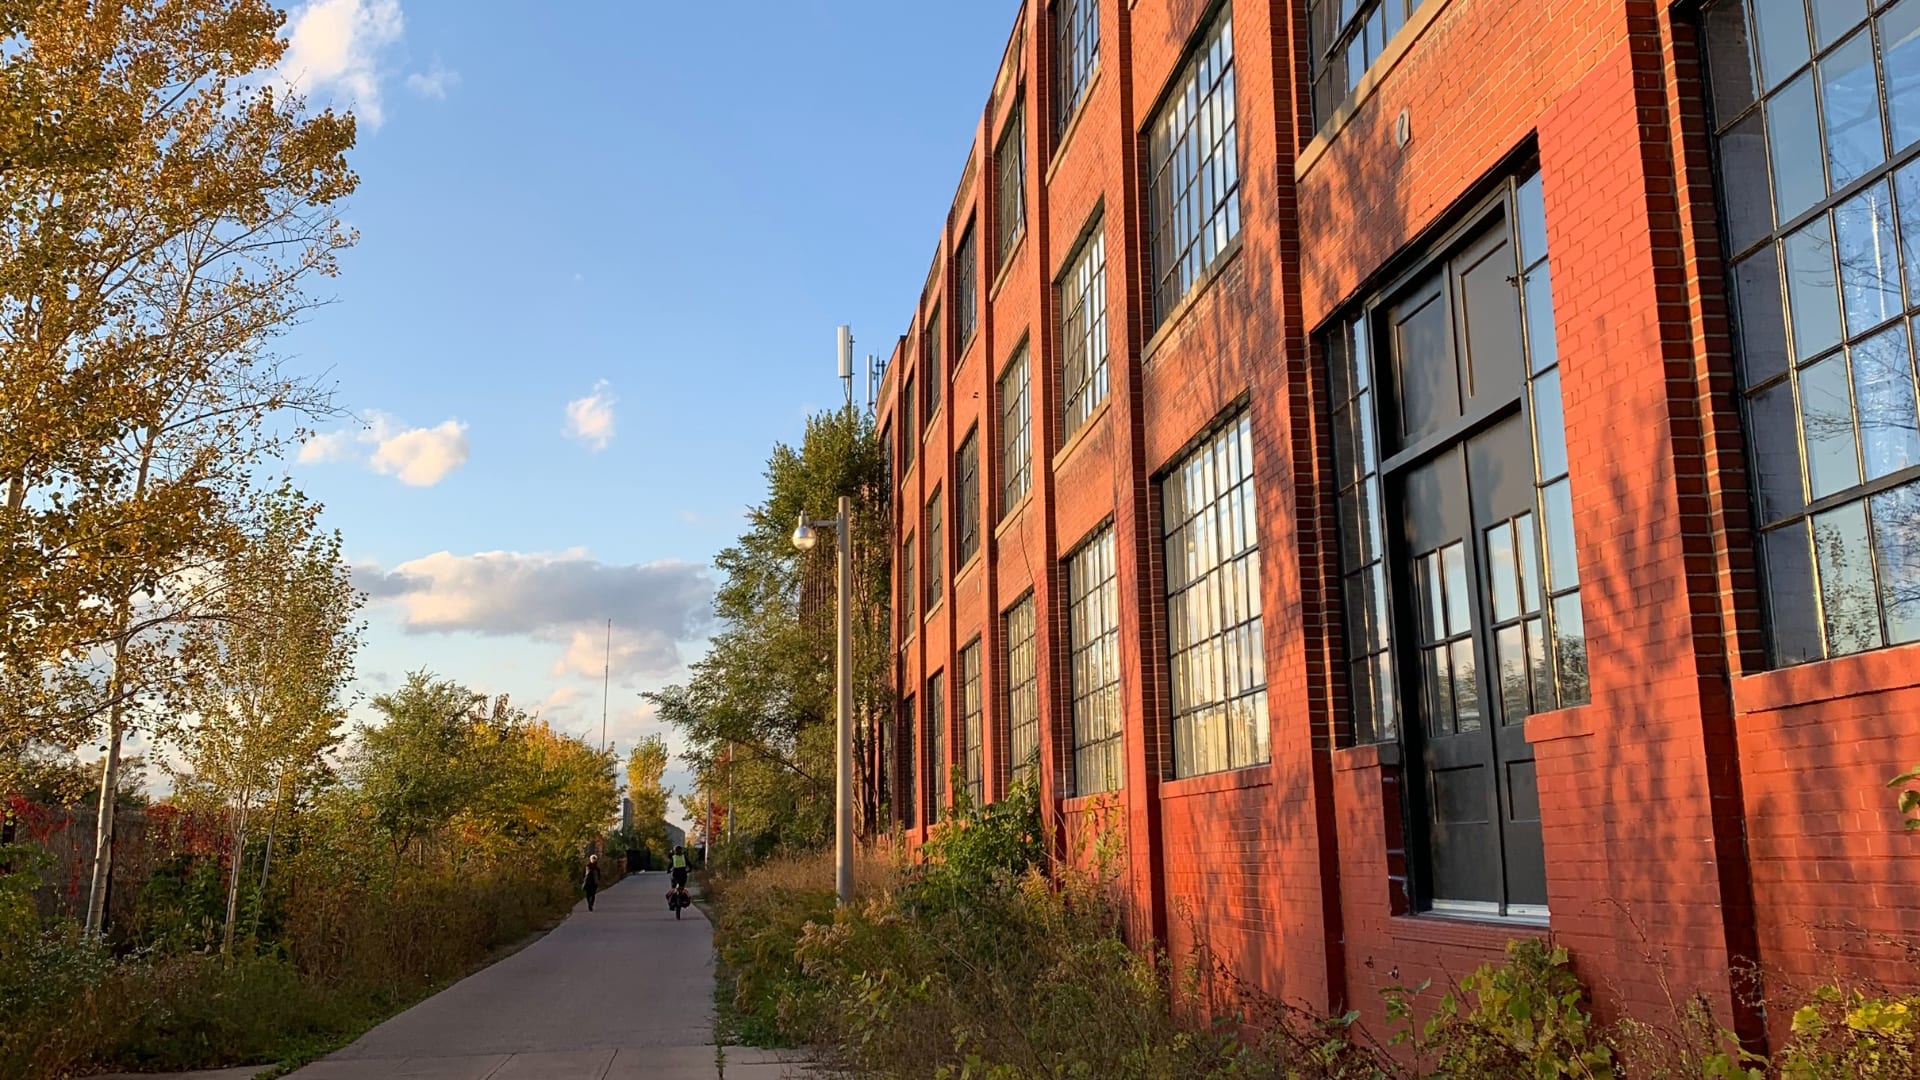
(96, 921)
(233, 883)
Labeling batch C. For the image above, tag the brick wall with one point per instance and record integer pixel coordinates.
(1701, 813)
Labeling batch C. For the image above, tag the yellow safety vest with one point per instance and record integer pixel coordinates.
(679, 862)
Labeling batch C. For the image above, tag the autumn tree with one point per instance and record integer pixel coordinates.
(761, 700)
(646, 772)
(270, 669)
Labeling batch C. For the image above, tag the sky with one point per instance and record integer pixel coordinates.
(604, 247)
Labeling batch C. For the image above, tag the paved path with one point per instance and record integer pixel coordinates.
(620, 993)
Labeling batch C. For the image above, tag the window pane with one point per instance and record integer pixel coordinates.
(1543, 348)
(1775, 439)
(1466, 688)
(1896, 532)
(1847, 594)
(1531, 215)
(1869, 267)
(1511, 652)
(1728, 58)
(1193, 171)
(1906, 190)
(1782, 32)
(1851, 95)
(1811, 296)
(1528, 544)
(1746, 189)
(1763, 324)
(1832, 18)
(1549, 426)
(1459, 599)
(1793, 617)
(1798, 182)
(1563, 570)
(1503, 572)
(1900, 56)
(1883, 394)
(1826, 417)
(1570, 650)
(1538, 662)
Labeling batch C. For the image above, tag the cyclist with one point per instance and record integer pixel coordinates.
(678, 862)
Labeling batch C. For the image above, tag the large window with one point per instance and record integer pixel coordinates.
(909, 433)
(1347, 36)
(1193, 170)
(909, 785)
(936, 725)
(1076, 51)
(908, 593)
(1083, 330)
(967, 507)
(1010, 179)
(966, 288)
(1023, 690)
(972, 747)
(1016, 432)
(1461, 585)
(1817, 123)
(1219, 670)
(1093, 618)
(932, 373)
(935, 560)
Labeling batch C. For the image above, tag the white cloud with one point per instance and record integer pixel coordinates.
(562, 599)
(419, 457)
(335, 46)
(590, 419)
(433, 82)
(422, 457)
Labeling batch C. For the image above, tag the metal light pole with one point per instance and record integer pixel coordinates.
(804, 537)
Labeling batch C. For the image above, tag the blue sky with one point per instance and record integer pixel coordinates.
(651, 212)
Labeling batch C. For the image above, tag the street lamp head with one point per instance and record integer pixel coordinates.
(803, 535)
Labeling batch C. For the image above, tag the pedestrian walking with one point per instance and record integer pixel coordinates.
(592, 883)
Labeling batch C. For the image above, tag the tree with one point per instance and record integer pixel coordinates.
(270, 671)
(646, 770)
(417, 772)
(762, 698)
(167, 207)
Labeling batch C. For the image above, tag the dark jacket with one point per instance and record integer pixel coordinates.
(592, 882)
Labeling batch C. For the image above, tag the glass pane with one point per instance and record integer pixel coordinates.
(1537, 660)
(1811, 296)
(1847, 594)
(1826, 418)
(1563, 570)
(1439, 679)
(1466, 690)
(1883, 396)
(1896, 532)
(1543, 347)
(1793, 618)
(1776, 452)
(1528, 544)
(1549, 426)
(1570, 650)
(1798, 180)
(1782, 33)
(1851, 97)
(1745, 183)
(1386, 706)
(1433, 613)
(1900, 57)
(1459, 600)
(1906, 191)
(1728, 58)
(1832, 18)
(1511, 650)
(1530, 209)
(1503, 572)
(1869, 267)
(1763, 323)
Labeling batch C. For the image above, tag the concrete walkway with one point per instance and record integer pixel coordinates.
(620, 993)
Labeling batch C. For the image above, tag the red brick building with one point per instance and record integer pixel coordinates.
(1413, 473)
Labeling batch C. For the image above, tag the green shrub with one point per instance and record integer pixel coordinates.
(1853, 1035)
(1524, 1018)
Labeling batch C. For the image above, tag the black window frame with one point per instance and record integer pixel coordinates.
(1191, 159)
(909, 763)
(1015, 395)
(933, 559)
(933, 373)
(1094, 680)
(1076, 57)
(1020, 720)
(1010, 183)
(1345, 39)
(972, 717)
(966, 288)
(909, 587)
(1838, 555)
(1085, 372)
(966, 508)
(935, 716)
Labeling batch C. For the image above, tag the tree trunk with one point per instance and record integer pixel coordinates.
(96, 921)
(233, 882)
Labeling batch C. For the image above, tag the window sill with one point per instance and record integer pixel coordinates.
(1490, 932)
(1192, 299)
(1013, 513)
(1240, 779)
(1065, 140)
(1366, 756)
(973, 563)
(932, 611)
(1086, 430)
(1573, 722)
(1006, 265)
(1390, 57)
(1896, 667)
(1087, 804)
(927, 432)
